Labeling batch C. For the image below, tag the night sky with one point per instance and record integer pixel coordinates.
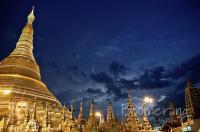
(101, 48)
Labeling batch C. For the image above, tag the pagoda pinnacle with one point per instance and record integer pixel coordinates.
(130, 102)
(21, 61)
(188, 84)
(146, 123)
(24, 46)
(92, 108)
(72, 111)
(110, 114)
(80, 116)
(31, 16)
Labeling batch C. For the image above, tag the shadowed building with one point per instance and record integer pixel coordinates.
(174, 121)
(192, 103)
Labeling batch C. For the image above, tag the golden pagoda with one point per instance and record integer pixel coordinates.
(145, 121)
(22, 91)
(81, 122)
(111, 123)
(132, 122)
(92, 123)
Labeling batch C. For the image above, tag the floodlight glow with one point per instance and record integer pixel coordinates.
(6, 92)
(148, 99)
(98, 114)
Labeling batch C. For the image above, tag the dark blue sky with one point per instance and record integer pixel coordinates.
(102, 48)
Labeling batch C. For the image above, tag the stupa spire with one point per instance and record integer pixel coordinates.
(24, 46)
(188, 84)
(131, 120)
(110, 114)
(72, 111)
(31, 16)
(91, 114)
(64, 113)
(130, 102)
(146, 123)
(80, 115)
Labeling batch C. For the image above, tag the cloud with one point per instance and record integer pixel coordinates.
(116, 83)
(187, 70)
(94, 91)
(117, 69)
(154, 78)
(101, 77)
(109, 82)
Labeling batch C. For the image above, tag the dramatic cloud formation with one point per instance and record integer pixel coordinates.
(155, 78)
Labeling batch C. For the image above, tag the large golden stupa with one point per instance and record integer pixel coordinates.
(20, 81)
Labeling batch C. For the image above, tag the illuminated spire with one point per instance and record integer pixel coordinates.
(31, 16)
(110, 114)
(72, 112)
(130, 102)
(102, 123)
(91, 114)
(189, 84)
(80, 116)
(24, 46)
(132, 116)
(64, 113)
(146, 123)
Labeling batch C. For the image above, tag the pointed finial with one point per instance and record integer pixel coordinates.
(81, 101)
(31, 16)
(129, 94)
(91, 108)
(81, 105)
(110, 103)
(188, 84)
(72, 111)
(64, 104)
(92, 101)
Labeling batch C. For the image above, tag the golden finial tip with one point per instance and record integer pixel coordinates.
(31, 16)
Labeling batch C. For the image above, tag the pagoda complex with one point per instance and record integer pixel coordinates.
(26, 104)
